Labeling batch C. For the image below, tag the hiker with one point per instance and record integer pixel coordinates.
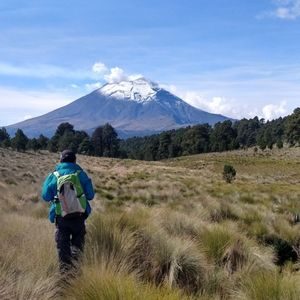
(69, 189)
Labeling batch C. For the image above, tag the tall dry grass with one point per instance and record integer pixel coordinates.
(163, 230)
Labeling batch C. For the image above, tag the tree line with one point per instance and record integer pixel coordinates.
(223, 136)
(103, 142)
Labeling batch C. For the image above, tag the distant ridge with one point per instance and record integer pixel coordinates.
(134, 108)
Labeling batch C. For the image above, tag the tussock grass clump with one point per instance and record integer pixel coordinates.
(28, 262)
(234, 257)
(179, 224)
(133, 220)
(27, 252)
(106, 242)
(227, 248)
(157, 258)
(189, 269)
(257, 230)
(99, 283)
(20, 285)
(129, 243)
(223, 211)
(251, 215)
(214, 240)
(284, 229)
(269, 286)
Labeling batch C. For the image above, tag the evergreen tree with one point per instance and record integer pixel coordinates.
(43, 142)
(33, 144)
(151, 148)
(20, 141)
(111, 143)
(53, 143)
(247, 132)
(63, 128)
(164, 145)
(85, 147)
(67, 141)
(292, 128)
(79, 137)
(97, 141)
(4, 138)
(196, 139)
(64, 138)
(223, 137)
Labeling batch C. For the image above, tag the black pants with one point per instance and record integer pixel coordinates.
(69, 238)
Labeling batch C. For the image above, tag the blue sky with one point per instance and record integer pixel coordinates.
(236, 57)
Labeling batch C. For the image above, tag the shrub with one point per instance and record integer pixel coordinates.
(283, 249)
(229, 173)
(279, 144)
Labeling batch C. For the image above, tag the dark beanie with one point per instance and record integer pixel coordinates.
(68, 156)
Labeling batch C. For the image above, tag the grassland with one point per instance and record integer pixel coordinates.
(159, 230)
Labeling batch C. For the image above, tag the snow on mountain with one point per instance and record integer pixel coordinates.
(140, 90)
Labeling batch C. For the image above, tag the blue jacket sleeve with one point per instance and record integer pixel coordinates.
(49, 188)
(87, 186)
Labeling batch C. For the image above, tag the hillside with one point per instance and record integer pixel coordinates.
(160, 230)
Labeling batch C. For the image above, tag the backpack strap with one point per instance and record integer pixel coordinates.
(56, 174)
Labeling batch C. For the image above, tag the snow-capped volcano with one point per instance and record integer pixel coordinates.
(139, 90)
(134, 108)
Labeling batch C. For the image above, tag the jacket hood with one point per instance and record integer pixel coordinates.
(68, 166)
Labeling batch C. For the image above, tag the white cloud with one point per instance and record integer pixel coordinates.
(273, 111)
(99, 71)
(93, 86)
(10, 98)
(134, 77)
(286, 10)
(229, 107)
(171, 88)
(116, 75)
(217, 105)
(27, 117)
(45, 71)
(15, 104)
(99, 68)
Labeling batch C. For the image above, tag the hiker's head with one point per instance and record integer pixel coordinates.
(68, 156)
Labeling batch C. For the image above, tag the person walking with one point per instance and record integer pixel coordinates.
(69, 189)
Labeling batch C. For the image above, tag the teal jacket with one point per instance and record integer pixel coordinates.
(49, 190)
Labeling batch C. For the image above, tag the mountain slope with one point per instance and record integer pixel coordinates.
(136, 107)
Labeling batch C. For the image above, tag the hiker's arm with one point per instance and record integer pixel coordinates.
(87, 186)
(49, 188)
